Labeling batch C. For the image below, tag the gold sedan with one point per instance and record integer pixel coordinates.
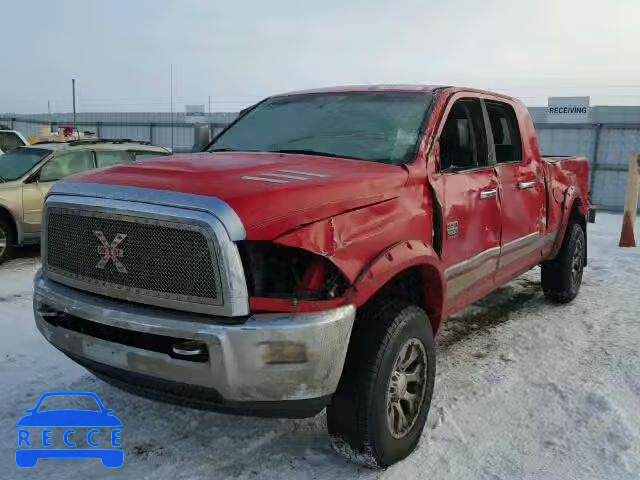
(27, 173)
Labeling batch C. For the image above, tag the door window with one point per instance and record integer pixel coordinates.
(9, 141)
(139, 155)
(66, 164)
(504, 128)
(105, 158)
(463, 141)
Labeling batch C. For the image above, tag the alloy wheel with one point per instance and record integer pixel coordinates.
(3, 241)
(577, 262)
(407, 383)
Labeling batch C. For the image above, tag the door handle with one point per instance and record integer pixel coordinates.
(525, 185)
(488, 194)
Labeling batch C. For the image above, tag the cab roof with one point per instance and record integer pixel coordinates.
(369, 88)
(410, 88)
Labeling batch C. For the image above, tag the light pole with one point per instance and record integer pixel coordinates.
(73, 92)
(172, 107)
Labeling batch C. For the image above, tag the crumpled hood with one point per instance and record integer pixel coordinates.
(271, 192)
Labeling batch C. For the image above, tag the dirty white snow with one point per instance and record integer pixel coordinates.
(525, 390)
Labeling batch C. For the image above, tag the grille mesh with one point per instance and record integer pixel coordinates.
(155, 259)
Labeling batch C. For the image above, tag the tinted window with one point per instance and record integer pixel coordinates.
(143, 155)
(16, 163)
(506, 136)
(463, 142)
(107, 159)
(66, 164)
(9, 141)
(375, 126)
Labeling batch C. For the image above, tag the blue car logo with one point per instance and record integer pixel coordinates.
(80, 433)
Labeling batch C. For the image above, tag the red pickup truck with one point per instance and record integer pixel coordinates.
(309, 256)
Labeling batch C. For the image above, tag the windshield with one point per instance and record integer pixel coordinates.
(374, 126)
(16, 163)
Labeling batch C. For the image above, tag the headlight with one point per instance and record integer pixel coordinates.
(276, 271)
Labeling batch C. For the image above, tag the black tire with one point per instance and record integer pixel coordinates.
(357, 416)
(7, 240)
(562, 276)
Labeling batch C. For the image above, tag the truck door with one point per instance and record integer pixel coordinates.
(466, 187)
(521, 191)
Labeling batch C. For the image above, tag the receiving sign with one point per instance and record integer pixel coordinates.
(568, 110)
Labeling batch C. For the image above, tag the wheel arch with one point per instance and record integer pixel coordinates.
(408, 270)
(6, 215)
(572, 212)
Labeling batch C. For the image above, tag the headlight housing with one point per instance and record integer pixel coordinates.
(277, 271)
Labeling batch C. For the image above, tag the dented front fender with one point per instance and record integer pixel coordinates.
(372, 245)
(352, 239)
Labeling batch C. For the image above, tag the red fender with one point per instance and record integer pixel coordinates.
(571, 196)
(395, 260)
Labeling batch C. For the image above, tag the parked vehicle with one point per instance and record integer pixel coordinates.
(27, 173)
(10, 139)
(309, 257)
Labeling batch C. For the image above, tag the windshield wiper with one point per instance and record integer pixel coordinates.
(305, 151)
(3, 180)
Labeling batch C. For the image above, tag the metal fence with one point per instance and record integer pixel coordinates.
(608, 147)
(179, 136)
(607, 144)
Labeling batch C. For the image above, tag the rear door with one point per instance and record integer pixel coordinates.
(466, 187)
(521, 190)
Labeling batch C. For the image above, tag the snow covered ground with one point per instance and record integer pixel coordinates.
(525, 389)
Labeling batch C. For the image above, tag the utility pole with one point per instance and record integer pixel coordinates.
(73, 91)
(172, 107)
(209, 104)
(49, 108)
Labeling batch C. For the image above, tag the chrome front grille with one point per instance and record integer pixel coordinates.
(138, 258)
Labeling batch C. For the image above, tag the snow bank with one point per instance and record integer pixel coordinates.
(524, 390)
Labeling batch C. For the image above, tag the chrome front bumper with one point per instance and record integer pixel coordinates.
(279, 357)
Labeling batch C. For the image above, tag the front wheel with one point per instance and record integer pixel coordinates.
(379, 411)
(562, 276)
(7, 240)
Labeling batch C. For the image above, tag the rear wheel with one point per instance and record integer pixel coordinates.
(7, 239)
(379, 411)
(562, 276)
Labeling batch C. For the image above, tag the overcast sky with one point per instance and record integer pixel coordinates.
(237, 52)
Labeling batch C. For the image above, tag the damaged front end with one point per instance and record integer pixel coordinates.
(287, 273)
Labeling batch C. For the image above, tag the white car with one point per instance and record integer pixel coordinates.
(10, 139)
